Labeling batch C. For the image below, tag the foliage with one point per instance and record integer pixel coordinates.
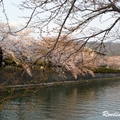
(106, 70)
(70, 55)
(113, 62)
(68, 17)
(9, 61)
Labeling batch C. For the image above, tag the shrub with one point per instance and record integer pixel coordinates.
(9, 61)
(106, 70)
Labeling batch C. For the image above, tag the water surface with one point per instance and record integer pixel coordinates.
(73, 102)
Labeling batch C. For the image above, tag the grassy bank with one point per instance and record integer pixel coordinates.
(106, 70)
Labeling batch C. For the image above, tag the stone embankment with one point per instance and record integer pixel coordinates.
(19, 79)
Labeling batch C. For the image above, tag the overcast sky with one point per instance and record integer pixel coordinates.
(13, 12)
(14, 15)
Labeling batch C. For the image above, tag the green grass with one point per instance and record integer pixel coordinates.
(106, 70)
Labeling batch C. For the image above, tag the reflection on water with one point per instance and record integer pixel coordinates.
(74, 102)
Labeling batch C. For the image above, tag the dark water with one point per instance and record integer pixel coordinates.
(73, 102)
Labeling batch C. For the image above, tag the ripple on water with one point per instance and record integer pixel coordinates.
(69, 103)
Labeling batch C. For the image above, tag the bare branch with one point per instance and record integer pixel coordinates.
(72, 5)
(7, 19)
(28, 22)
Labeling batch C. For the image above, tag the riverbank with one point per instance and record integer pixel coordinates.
(57, 84)
(85, 101)
(13, 75)
(17, 79)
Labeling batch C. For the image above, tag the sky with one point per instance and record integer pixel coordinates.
(15, 15)
(13, 12)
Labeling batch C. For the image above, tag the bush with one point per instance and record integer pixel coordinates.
(9, 61)
(106, 70)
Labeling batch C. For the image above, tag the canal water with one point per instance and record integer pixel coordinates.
(74, 102)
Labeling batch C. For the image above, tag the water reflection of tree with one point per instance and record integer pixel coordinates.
(56, 102)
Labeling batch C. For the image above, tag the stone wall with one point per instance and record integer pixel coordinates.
(15, 76)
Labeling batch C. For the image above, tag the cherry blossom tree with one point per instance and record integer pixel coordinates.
(75, 17)
(19, 47)
(65, 57)
(113, 62)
